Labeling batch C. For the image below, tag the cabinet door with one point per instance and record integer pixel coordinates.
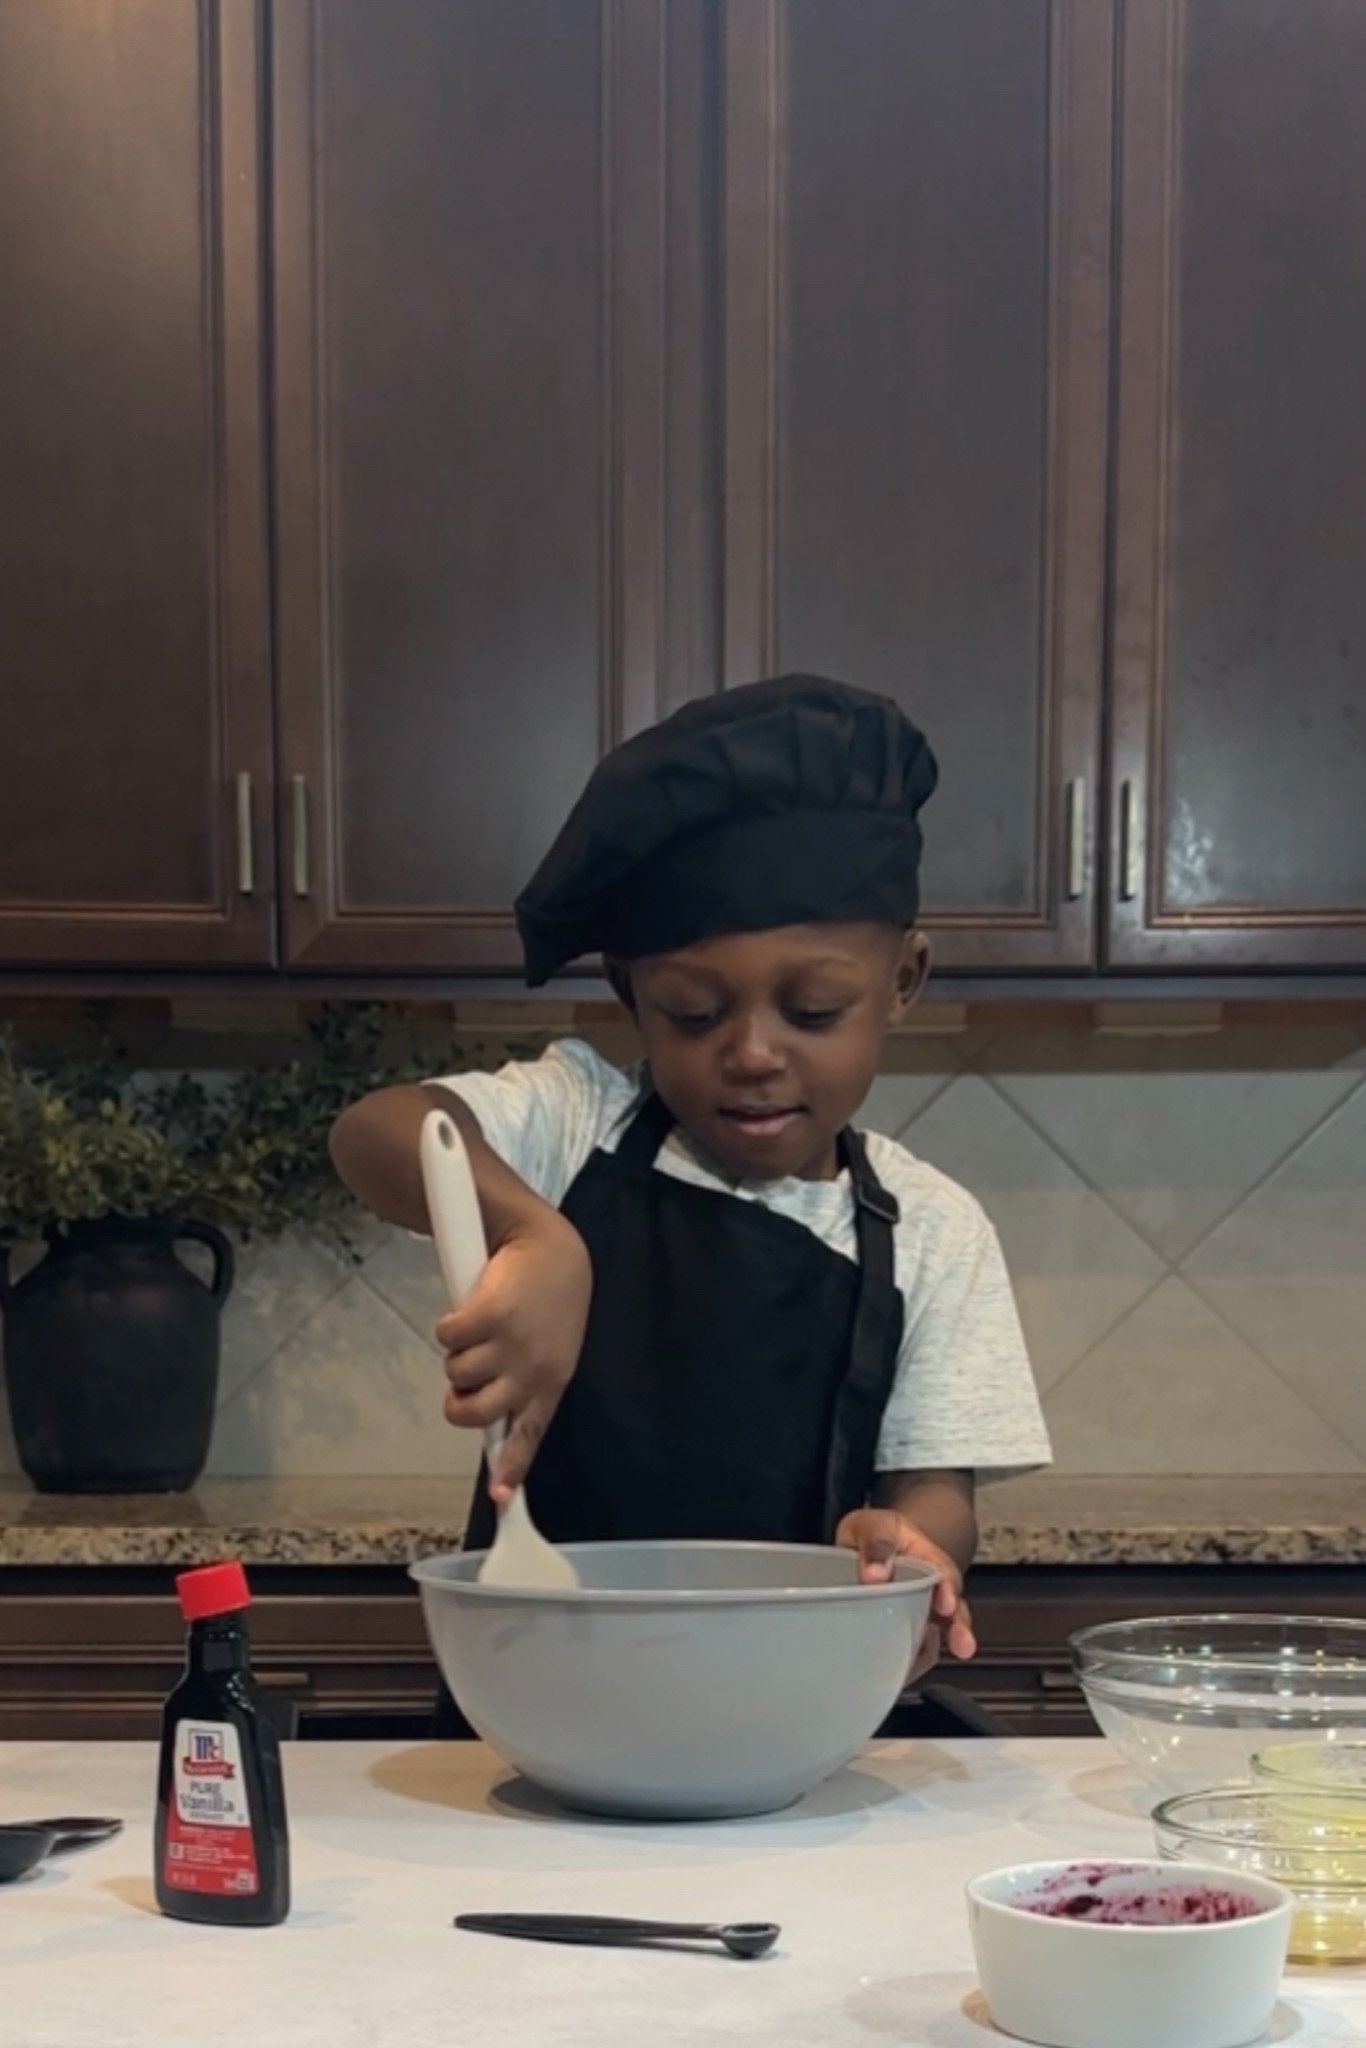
(916, 215)
(491, 345)
(135, 720)
(1239, 834)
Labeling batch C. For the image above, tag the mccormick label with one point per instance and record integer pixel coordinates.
(209, 1846)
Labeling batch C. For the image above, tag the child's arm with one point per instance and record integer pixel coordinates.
(374, 1148)
(963, 1402)
(513, 1346)
(928, 1515)
(940, 1504)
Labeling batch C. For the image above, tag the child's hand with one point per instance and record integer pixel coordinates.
(513, 1346)
(879, 1536)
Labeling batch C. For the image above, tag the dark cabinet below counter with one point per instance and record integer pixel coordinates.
(91, 1652)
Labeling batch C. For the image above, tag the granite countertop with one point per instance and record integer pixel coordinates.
(1044, 1520)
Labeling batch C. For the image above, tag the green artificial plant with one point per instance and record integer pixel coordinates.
(86, 1138)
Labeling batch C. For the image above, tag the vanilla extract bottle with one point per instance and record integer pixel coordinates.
(222, 1833)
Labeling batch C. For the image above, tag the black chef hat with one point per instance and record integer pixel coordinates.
(792, 801)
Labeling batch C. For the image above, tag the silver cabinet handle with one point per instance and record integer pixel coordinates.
(299, 834)
(1130, 852)
(1076, 838)
(246, 838)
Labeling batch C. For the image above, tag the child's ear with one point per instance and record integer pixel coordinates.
(619, 975)
(912, 967)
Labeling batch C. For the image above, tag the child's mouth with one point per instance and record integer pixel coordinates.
(761, 1122)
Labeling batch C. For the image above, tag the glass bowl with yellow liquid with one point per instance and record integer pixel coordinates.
(1313, 1843)
(1326, 1765)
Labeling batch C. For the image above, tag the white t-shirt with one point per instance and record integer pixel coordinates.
(964, 1395)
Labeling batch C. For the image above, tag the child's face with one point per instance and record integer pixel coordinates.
(764, 1044)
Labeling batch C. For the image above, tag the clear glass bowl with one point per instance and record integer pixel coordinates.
(1190, 1699)
(1313, 1845)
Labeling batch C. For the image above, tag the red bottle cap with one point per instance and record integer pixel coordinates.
(215, 1589)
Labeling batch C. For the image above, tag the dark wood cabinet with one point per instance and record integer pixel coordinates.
(93, 1651)
(491, 454)
(916, 208)
(1238, 833)
(624, 350)
(135, 761)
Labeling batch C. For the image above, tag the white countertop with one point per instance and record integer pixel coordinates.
(389, 1843)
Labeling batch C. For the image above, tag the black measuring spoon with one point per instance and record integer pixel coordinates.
(24, 1844)
(746, 1938)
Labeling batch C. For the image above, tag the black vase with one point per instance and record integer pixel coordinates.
(111, 1357)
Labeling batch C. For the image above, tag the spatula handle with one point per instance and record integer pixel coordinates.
(457, 1224)
(453, 1206)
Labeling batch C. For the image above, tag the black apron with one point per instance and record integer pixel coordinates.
(734, 1371)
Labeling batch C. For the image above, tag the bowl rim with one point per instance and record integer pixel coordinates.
(1102, 1641)
(1275, 1900)
(911, 1577)
(1269, 1776)
(1166, 1815)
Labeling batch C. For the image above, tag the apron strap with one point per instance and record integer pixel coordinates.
(874, 1343)
(650, 1125)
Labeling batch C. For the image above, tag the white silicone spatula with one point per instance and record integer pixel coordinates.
(520, 1555)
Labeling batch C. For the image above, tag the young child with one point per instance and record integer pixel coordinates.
(713, 1309)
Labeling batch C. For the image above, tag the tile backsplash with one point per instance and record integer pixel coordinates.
(1184, 1217)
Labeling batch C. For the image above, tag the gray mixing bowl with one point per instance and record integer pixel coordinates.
(680, 1680)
